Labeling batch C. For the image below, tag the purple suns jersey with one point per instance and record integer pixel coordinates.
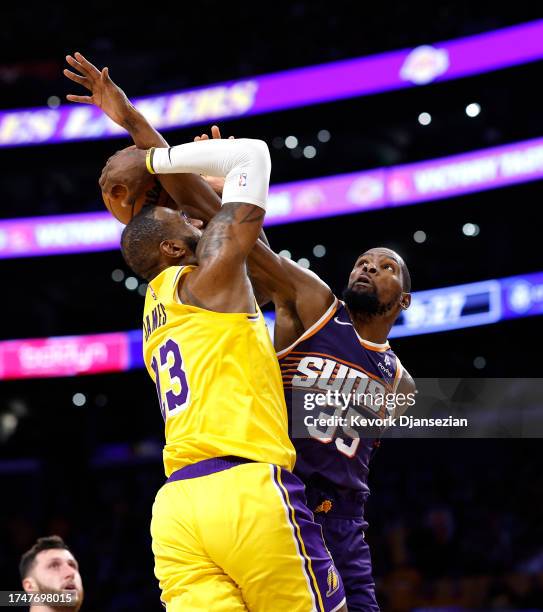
(331, 358)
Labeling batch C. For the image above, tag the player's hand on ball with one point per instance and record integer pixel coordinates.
(126, 168)
(127, 186)
(215, 182)
(105, 94)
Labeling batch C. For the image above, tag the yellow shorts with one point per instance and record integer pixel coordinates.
(231, 536)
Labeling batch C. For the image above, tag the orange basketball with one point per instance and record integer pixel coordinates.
(123, 207)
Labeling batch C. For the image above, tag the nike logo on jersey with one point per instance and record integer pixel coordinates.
(341, 322)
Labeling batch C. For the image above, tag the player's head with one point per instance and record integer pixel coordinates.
(50, 567)
(379, 284)
(158, 237)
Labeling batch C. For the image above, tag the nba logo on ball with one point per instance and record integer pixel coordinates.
(243, 179)
(332, 580)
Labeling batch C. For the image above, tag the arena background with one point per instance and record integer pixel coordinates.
(453, 523)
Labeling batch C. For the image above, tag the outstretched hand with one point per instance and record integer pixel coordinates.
(105, 94)
(215, 182)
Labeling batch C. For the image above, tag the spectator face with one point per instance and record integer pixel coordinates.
(55, 570)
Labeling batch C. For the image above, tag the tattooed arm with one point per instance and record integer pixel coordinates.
(190, 191)
(220, 282)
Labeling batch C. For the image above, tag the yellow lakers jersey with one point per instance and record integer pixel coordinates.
(217, 378)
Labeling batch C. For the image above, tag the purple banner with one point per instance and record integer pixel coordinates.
(303, 200)
(59, 234)
(408, 184)
(289, 89)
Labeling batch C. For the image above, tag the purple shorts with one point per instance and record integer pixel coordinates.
(343, 529)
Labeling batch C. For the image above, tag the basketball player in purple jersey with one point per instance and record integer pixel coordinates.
(323, 342)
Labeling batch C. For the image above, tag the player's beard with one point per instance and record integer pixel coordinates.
(366, 302)
(42, 588)
(192, 242)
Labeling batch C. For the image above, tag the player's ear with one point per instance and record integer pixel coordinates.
(405, 300)
(29, 584)
(173, 249)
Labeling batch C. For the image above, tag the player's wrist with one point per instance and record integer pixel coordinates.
(149, 156)
(127, 116)
(131, 119)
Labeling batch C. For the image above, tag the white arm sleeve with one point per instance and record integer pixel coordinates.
(244, 162)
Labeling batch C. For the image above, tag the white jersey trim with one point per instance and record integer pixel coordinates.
(379, 347)
(382, 347)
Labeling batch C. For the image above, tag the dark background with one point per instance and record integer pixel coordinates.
(451, 522)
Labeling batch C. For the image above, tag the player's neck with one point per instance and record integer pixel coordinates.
(372, 328)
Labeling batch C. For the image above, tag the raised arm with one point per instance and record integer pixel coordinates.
(189, 191)
(245, 163)
(221, 282)
(299, 295)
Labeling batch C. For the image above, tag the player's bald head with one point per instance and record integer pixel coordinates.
(146, 240)
(384, 251)
(140, 242)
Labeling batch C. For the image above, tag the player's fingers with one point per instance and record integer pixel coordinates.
(104, 76)
(231, 137)
(215, 132)
(80, 99)
(91, 68)
(77, 78)
(103, 177)
(204, 137)
(75, 64)
(196, 138)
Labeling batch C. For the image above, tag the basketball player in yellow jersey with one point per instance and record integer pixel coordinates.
(230, 527)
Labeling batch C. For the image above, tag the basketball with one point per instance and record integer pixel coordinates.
(123, 206)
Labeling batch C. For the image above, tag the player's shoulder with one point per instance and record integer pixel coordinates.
(407, 382)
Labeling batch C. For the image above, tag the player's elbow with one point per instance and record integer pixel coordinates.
(258, 153)
(248, 179)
